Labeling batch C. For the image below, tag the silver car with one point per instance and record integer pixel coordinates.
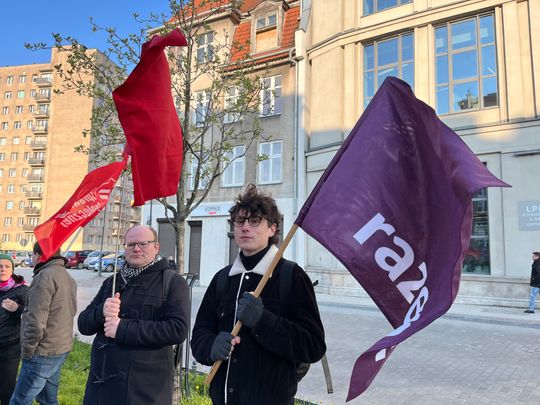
(93, 258)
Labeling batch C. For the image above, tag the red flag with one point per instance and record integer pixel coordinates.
(90, 197)
(150, 121)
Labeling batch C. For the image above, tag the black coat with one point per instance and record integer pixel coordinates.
(137, 366)
(262, 367)
(535, 274)
(10, 322)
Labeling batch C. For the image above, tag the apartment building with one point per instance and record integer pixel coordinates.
(40, 126)
(265, 29)
(477, 63)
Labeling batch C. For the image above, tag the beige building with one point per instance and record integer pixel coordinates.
(39, 169)
(477, 63)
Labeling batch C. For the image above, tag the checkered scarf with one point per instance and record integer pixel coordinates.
(129, 272)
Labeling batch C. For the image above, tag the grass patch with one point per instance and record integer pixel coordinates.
(74, 374)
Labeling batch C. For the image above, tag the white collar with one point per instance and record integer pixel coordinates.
(260, 268)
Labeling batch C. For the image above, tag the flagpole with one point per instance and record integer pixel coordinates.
(256, 294)
(118, 232)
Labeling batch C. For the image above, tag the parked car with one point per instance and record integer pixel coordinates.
(107, 263)
(93, 257)
(19, 258)
(76, 258)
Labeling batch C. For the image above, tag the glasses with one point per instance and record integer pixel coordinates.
(252, 221)
(142, 244)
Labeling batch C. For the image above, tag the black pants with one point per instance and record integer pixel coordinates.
(9, 364)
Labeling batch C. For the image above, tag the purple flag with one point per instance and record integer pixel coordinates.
(394, 206)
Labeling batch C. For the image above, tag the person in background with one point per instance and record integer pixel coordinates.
(13, 291)
(132, 354)
(172, 263)
(535, 282)
(46, 330)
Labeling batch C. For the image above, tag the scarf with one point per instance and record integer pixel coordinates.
(9, 284)
(129, 273)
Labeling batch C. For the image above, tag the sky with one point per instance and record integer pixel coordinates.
(34, 21)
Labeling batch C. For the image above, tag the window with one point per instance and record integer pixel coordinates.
(5, 125)
(28, 140)
(19, 109)
(20, 221)
(7, 95)
(16, 140)
(29, 124)
(22, 79)
(17, 125)
(202, 101)
(12, 172)
(372, 6)
(3, 141)
(203, 177)
(25, 172)
(466, 65)
(5, 110)
(1, 172)
(34, 78)
(9, 80)
(389, 57)
(270, 168)
(231, 109)
(5, 237)
(7, 221)
(205, 49)
(266, 22)
(14, 156)
(26, 156)
(31, 107)
(477, 257)
(271, 96)
(20, 94)
(33, 95)
(2, 156)
(11, 188)
(233, 175)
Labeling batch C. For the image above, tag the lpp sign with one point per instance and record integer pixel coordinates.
(529, 215)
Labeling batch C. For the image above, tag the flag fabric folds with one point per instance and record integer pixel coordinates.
(88, 200)
(148, 116)
(394, 206)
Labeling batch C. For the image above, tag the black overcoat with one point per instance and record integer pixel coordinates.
(262, 368)
(137, 366)
(535, 274)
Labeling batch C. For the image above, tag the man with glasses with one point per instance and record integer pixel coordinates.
(132, 354)
(259, 365)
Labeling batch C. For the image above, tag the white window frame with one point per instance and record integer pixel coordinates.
(234, 173)
(205, 48)
(203, 181)
(202, 101)
(231, 98)
(273, 163)
(270, 103)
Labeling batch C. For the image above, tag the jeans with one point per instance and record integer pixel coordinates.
(39, 378)
(532, 298)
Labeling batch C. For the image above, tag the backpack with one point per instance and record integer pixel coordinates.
(285, 293)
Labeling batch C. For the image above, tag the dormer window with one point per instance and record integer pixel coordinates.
(266, 35)
(266, 22)
(205, 48)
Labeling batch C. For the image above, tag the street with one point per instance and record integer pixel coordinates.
(452, 361)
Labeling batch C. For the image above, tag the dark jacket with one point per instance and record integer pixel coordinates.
(262, 367)
(137, 366)
(47, 320)
(10, 322)
(535, 274)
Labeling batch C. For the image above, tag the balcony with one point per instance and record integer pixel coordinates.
(43, 81)
(29, 227)
(36, 162)
(34, 195)
(38, 145)
(35, 178)
(40, 129)
(41, 113)
(32, 211)
(42, 98)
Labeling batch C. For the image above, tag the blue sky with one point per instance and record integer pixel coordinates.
(32, 21)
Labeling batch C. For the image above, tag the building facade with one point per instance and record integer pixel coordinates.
(40, 126)
(477, 63)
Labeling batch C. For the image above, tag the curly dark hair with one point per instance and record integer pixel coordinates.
(254, 202)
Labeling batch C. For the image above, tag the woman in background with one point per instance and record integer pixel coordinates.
(13, 298)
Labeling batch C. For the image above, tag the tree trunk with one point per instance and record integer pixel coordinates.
(180, 245)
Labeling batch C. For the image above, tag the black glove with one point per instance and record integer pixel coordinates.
(250, 310)
(221, 347)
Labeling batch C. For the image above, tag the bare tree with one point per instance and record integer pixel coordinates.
(216, 89)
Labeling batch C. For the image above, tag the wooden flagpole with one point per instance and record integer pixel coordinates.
(256, 293)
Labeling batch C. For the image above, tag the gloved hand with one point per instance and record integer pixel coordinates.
(250, 310)
(222, 346)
